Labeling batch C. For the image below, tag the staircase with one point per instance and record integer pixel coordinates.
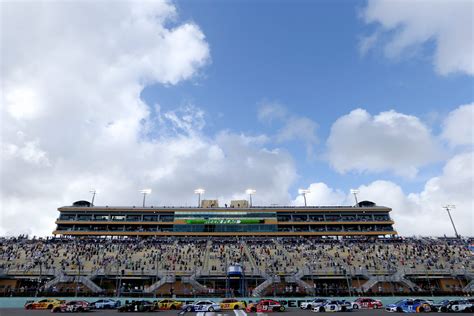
(296, 278)
(194, 283)
(60, 277)
(398, 277)
(205, 264)
(162, 281)
(249, 255)
(86, 280)
(259, 290)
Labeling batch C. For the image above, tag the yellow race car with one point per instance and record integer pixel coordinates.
(47, 303)
(232, 303)
(167, 304)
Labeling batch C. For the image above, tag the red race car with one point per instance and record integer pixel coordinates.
(72, 307)
(264, 306)
(368, 303)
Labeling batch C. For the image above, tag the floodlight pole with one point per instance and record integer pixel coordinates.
(199, 192)
(303, 192)
(250, 192)
(355, 192)
(448, 208)
(94, 192)
(145, 192)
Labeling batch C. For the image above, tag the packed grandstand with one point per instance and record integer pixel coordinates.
(234, 266)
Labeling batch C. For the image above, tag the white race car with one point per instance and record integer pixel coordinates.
(313, 303)
(202, 306)
(330, 306)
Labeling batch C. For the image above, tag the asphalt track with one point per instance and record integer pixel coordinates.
(288, 312)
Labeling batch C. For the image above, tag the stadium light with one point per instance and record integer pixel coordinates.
(355, 192)
(94, 192)
(199, 192)
(448, 209)
(145, 192)
(250, 192)
(303, 192)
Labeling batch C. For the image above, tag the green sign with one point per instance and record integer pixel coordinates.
(224, 221)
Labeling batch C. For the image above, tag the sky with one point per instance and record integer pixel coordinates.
(228, 95)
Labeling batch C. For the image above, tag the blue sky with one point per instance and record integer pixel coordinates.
(305, 55)
(226, 95)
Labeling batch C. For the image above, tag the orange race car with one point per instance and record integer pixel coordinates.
(47, 303)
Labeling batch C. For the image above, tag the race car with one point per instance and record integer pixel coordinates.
(368, 303)
(168, 304)
(311, 304)
(232, 303)
(105, 304)
(331, 306)
(72, 307)
(48, 303)
(454, 306)
(137, 306)
(202, 306)
(349, 305)
(264, 306)
(410, 305)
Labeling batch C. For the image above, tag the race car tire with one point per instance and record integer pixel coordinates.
(399, 310)
(173, 307)
(420, 309)
(210, 309)
(281, 309)
(444, 309)
(253, 309)
(80, 309)
(322, 309)
(309, 307)
(29, 306)
(189, 309)
(376, 307)
(355, 306)
(50, 306)
(236, 307)
(56, 310)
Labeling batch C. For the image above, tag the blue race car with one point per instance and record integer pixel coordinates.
(202, 306)
(410, 305)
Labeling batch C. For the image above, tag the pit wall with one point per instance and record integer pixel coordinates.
(18, 302)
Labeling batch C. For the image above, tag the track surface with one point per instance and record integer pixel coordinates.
(289, 312)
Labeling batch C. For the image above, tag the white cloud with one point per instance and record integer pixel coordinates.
(321, 194)
(409, 24)
(388, 141)
(72, 117)
(293, 127)
(418, 213)
(458, 127)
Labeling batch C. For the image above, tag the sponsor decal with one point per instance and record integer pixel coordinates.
(225, 221)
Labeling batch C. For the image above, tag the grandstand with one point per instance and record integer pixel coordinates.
(235, 250)
(237, 219)
(190, 266)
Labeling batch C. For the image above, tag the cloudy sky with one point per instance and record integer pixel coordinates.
(275, 95)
